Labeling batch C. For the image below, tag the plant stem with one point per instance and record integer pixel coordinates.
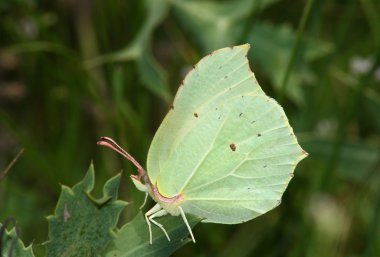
(301, 29)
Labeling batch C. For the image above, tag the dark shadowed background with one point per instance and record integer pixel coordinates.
(72, 71)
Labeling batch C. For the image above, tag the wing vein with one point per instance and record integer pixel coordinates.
(270, 176)
(233, 171)
(268, 157)
(183, 134)
(221, 199)
(189, 128)
(227, 89)
(194, 171)
(209, 183)
(273, 129)
(255, 135)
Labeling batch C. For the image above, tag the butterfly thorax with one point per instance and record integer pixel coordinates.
(169, 204)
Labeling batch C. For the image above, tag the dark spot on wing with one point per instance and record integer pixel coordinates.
(195, 115)
(259, 135)
(253, 121)
(264, 166)
(240, 114)
(225, 77)
(233, 147)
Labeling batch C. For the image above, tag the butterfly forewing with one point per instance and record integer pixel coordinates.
(221, 75)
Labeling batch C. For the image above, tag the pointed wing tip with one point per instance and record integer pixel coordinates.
(245, 47)
(304, 154)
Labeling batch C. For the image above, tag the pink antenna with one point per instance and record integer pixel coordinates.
(110, 143)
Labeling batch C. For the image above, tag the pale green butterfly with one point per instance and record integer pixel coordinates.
(225, 151)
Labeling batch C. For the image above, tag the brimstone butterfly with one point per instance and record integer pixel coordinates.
(225, 151)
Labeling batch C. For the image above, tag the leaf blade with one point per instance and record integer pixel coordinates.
(82, 225)
(133, 238)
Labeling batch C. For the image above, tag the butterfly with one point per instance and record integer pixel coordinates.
(224, 152)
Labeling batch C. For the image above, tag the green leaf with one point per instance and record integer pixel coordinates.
(133, 238)
(273, 47)
(153, 76)
(150, 72)
(215, 24)
(82, 225)
(356, 159)
(19, 249)
(156, 12)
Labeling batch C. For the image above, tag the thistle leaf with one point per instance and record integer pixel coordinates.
(82, 225)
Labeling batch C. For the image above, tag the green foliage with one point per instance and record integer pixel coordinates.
(356, 159)
(82, 225)
(150, 72)
(133, 238)
(212, 24)
(12, 245)
(272, 51)
(71, 71)
(86, 226)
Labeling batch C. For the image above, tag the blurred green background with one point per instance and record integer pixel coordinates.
(74, 70)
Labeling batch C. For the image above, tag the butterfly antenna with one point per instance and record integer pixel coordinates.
(110, 143)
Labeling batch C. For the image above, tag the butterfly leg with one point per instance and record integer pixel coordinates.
(155, 209)
(155, 212)
(145, 199)
(187, 223)
(159, 214)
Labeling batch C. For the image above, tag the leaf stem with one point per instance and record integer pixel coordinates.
(2, 176)
(301, 29)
